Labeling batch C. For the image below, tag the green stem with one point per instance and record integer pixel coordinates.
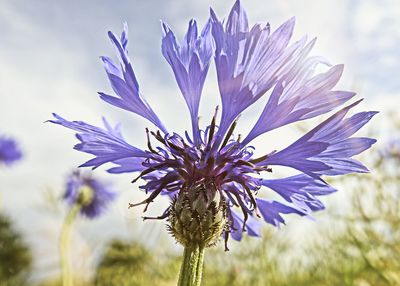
(67, 278)
(192, 266)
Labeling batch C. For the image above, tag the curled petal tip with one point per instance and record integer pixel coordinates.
(192, 22)
(291, 20)
(165, 27)
(213, 16)
(339, 68)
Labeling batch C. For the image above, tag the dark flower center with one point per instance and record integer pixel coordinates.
(179, 165)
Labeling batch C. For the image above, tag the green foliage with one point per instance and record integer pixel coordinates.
(254, 262)
(132, 264)
(15, 257)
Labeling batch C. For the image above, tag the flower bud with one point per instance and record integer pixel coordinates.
(86, 195)
(198, 216)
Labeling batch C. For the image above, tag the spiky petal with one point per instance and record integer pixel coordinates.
(106, 144)
(123, 82)
(327, 149)
(300, 95)
(249, 62)
(189, 61)
(301, 190)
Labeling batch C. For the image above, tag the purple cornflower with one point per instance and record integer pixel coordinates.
(212, 164)
(391, 149)
(92, 195)
(9, 151)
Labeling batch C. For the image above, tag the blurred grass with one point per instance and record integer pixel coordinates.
(132, 264)
(15, 257)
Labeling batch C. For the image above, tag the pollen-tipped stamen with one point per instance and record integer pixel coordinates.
(229, 133)
(149, 142)
(148, 171)
(160, 217)
(169, 178)
(212, 129)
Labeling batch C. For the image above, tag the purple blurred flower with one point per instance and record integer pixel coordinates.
(391, 149)
(9, 151)
(249, 62)
(92, 194)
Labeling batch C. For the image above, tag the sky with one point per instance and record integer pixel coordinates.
(49, 62)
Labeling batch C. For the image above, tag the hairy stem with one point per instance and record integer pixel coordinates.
(192, 266)
(67, 278)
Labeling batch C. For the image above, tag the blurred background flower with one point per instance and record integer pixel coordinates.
(9, 151)
(92, 195)
(391, 149)
(87, 196)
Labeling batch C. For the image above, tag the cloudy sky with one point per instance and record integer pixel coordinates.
(49, 62)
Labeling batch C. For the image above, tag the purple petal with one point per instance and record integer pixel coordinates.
(271, 211)
(343, 166)
(248, 63)
(301, 190)
(237, 19)
(326, 150)
(124, 83)
(107, 145)
(127, 165)
(300, 97)
(189, 62)
(253, 226)
(348, 147)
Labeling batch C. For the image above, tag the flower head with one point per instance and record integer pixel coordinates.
(213, 177)
(92, 195)
(391, 150)
(9, 151)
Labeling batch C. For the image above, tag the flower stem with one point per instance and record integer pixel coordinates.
(192, 266)
(67, 278)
